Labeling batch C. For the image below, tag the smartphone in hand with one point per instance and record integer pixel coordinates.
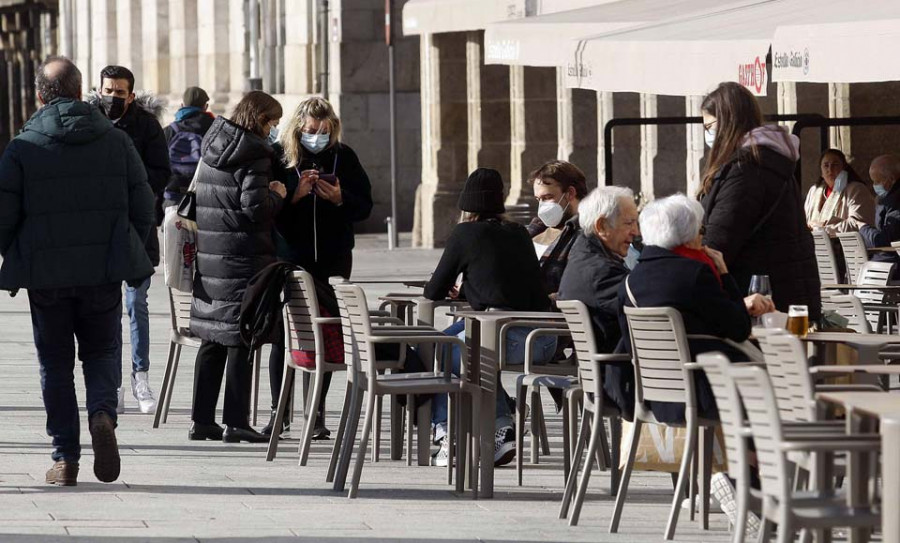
(329, 178)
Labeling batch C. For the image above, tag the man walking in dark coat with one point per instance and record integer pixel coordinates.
(135, 119)
(75, 209)
(884, 171)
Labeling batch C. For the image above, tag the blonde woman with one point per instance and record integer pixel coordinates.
(328, 191)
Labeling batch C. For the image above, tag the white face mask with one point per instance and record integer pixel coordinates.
(551, 213)
(315, 143)
(709, 136)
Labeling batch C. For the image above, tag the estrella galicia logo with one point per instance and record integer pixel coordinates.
(806, 61)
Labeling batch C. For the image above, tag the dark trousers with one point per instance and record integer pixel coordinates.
(93, 315)
(214, 360)
(276, 373)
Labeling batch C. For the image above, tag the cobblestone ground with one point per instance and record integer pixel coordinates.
(172, 489)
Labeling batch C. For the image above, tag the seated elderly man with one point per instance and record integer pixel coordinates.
(676, 270)
(884, 171)
(596, 268)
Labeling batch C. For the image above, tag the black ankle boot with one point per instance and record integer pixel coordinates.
(285, 425)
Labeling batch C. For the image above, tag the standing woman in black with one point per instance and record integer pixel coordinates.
(754, 209)
(329, 192)
(237, 201)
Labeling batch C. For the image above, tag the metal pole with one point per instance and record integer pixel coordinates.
(393, 235)
(324, 35)
(255, 82)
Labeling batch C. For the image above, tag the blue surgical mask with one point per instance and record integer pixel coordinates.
(315, 143)
(880, 190)
(273, 136)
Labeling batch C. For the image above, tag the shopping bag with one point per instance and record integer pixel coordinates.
(180, 250)
(660, 448)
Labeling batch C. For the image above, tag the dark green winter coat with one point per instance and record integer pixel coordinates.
(75, 206)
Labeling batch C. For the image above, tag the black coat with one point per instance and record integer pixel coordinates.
(665, 279)
(198, 123)
(148, 138)
(498, 264)
(235, 216)
(75, 207)
(753, 240)
(887, 225)
(593, 276)
(315, 224)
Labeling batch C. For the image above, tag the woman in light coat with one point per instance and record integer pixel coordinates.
(840, 201)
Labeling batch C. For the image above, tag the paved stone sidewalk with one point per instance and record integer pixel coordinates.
(174, 490)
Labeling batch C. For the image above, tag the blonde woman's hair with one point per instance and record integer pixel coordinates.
(316, 108)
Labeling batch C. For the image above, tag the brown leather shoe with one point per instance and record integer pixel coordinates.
(107, 463)
(63, 473)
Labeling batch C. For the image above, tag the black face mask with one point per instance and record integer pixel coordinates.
(114, 106)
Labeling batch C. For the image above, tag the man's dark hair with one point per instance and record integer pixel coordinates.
(118, 72)
(63, 82)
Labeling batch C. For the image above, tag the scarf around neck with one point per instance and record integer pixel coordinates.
(699, 256)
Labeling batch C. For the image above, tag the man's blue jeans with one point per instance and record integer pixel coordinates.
(138, 312)
(93, 315)
(544, 349)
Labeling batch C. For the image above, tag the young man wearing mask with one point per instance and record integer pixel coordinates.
(558, 187)
(137, 117)
(884, 172)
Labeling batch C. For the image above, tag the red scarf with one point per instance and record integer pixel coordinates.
(699, 256)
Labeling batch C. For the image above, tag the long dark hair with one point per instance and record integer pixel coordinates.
(737, 113)
(255, 110)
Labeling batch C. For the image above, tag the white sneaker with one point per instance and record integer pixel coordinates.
(723, 491)
(120, 407)
(140, 387)
(442, 457)
(504, 446)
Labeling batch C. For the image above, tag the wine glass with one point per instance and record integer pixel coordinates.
(759, 284)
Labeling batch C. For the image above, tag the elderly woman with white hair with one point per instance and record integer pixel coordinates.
(675, 270)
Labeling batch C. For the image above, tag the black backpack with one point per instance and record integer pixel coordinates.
(263, 303)
(184, 151)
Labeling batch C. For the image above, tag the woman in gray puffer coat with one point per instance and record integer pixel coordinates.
(236, 206)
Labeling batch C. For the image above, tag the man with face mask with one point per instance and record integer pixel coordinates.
(559, 186)
(884, 172)
(137, 117)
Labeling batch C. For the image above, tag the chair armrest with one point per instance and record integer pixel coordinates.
(826, 371)
(327, 320)
(530, 339)
(379, 313)
(849, 388)
(504, 328)
(607, 358)
(826, 443)
(434, 337)
(385, 320)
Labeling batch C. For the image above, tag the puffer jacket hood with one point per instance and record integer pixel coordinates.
(70, 121)
(776, 138)
(227, 145)
(146, 100)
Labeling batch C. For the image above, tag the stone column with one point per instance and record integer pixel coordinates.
(444, 136)
(155, 36)
(129, 30)
(839, 106)
(605, 113)
(299, 48)
(648, 145)
(533, 134)
(67, 28)
(696, 146)
(183, 44)
(488, 98)
(238, 45)
(577, 139)
(104, 44)
(213, 54)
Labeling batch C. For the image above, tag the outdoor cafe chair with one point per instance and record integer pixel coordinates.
(855, 255)
(360, 338)
(825, 258)
(781, 505)
(591, 365)
(180, 336)
(663, 372)
(878, 313)
(848, 306)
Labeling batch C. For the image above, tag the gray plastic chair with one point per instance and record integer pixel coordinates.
(779, 501)
(591, 364)
(364, 377)
(878, 312)
(848, 306)
(855, 254)
(663, 373)
(825, 258)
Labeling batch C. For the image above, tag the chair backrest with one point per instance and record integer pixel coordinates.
(874, 274)
(789, 370)
(180, 307)
(848, 306)
(825, 259)
(855, 254)
(731, 413)
(761, 405)
(301, 311)
(579, 321)
(660, 350)
(355, 326)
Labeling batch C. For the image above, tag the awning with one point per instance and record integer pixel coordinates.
(848, 42)
(544, 40)
(687, 55)
(437, 16)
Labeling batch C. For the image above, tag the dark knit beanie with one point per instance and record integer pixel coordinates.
(483, 192)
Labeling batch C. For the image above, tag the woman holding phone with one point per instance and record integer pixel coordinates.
(328, 191)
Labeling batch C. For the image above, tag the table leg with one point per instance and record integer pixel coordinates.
(890, 473)
(488, 373)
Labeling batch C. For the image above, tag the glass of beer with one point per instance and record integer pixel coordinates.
(798, 320)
